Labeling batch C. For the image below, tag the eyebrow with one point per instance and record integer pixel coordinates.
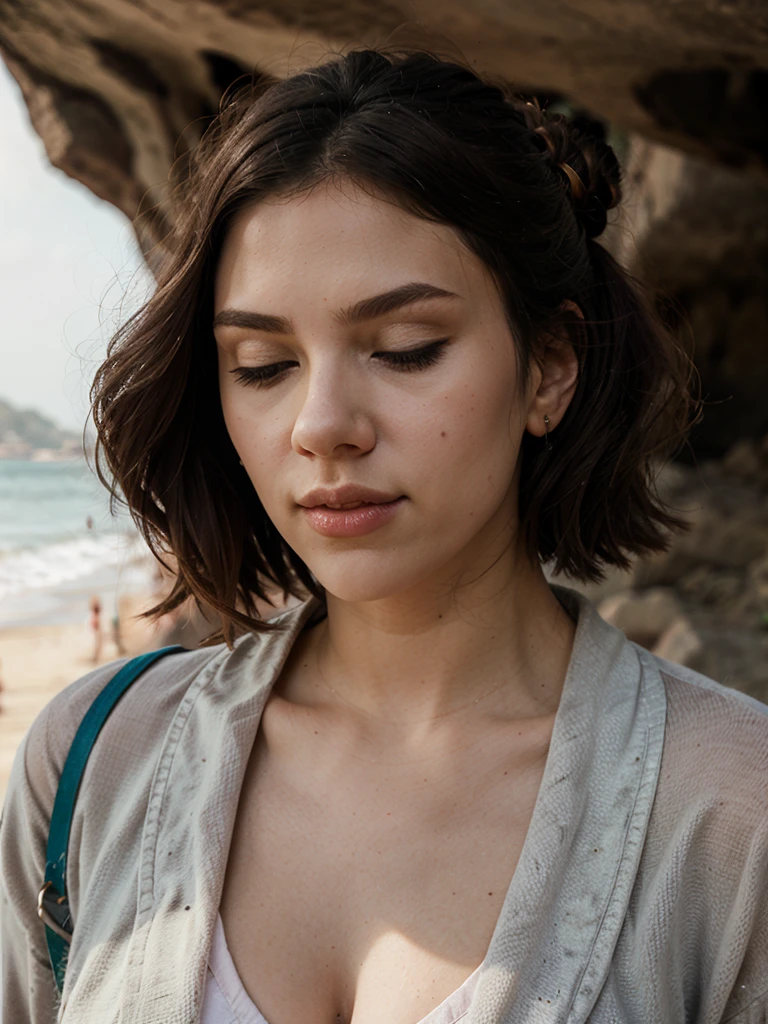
(367, 309)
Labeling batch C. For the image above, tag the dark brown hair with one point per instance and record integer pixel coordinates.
(527, 192)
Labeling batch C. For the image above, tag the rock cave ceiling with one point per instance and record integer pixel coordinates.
(119, 90)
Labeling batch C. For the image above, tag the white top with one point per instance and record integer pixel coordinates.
(226, 1002)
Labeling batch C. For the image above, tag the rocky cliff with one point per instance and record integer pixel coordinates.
(29, 430)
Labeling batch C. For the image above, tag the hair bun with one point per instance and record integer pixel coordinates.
(578, 149)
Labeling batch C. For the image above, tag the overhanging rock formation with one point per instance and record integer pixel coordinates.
(120, 90)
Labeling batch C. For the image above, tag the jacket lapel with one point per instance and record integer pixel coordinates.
(560, 921)
(191, 818)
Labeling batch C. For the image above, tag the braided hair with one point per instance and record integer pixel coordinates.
(577, 147)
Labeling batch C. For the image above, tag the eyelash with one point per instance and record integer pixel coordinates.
(408, 361)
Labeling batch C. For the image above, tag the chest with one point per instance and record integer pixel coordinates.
(367, 892)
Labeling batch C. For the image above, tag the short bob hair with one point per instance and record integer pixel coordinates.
(526, 192)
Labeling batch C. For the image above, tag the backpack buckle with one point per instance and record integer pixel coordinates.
(53, 911)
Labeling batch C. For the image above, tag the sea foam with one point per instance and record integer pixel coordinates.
(65, 561)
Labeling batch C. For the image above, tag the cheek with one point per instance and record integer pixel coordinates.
(254, 432)
(476, 434)
(236, 420)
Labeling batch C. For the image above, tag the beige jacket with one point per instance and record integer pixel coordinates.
(641, 895)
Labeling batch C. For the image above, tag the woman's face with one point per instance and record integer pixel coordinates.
(363, 348)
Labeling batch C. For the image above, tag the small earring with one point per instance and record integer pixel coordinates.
(547, 442)
(240, 461)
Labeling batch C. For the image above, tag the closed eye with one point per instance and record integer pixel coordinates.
(262, 376)
(414, 358)
(407, 360)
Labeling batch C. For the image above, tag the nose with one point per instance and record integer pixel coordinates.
(333, 419)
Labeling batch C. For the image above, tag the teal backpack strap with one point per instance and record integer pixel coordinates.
(52, 902)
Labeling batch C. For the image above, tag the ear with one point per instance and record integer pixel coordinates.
(554, 379)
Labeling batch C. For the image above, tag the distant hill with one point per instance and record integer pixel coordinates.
(32, 428)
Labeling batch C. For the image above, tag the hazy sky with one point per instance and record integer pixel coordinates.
(67, 263)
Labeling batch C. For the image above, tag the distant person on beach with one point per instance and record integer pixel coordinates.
(117, 636)
(389, 374)
(95, 628)
(89, 523)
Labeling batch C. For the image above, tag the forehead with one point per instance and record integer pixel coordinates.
(338, 241)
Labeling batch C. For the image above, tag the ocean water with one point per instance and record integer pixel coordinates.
(47, 549)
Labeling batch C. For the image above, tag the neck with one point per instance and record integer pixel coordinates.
(498, 645)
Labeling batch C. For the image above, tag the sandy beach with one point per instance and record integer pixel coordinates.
(38, 661)
(46, 641)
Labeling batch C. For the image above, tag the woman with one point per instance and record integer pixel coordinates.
(94, 627)
(389, 372)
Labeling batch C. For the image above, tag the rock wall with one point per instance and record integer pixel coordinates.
(704, 603)
(697, 232)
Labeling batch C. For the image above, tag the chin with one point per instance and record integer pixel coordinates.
(357, 577)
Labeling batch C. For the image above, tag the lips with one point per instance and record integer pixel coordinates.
(347, 505)
(364, 517)
(348, 496)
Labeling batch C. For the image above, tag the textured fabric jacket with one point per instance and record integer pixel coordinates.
(640, 897)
